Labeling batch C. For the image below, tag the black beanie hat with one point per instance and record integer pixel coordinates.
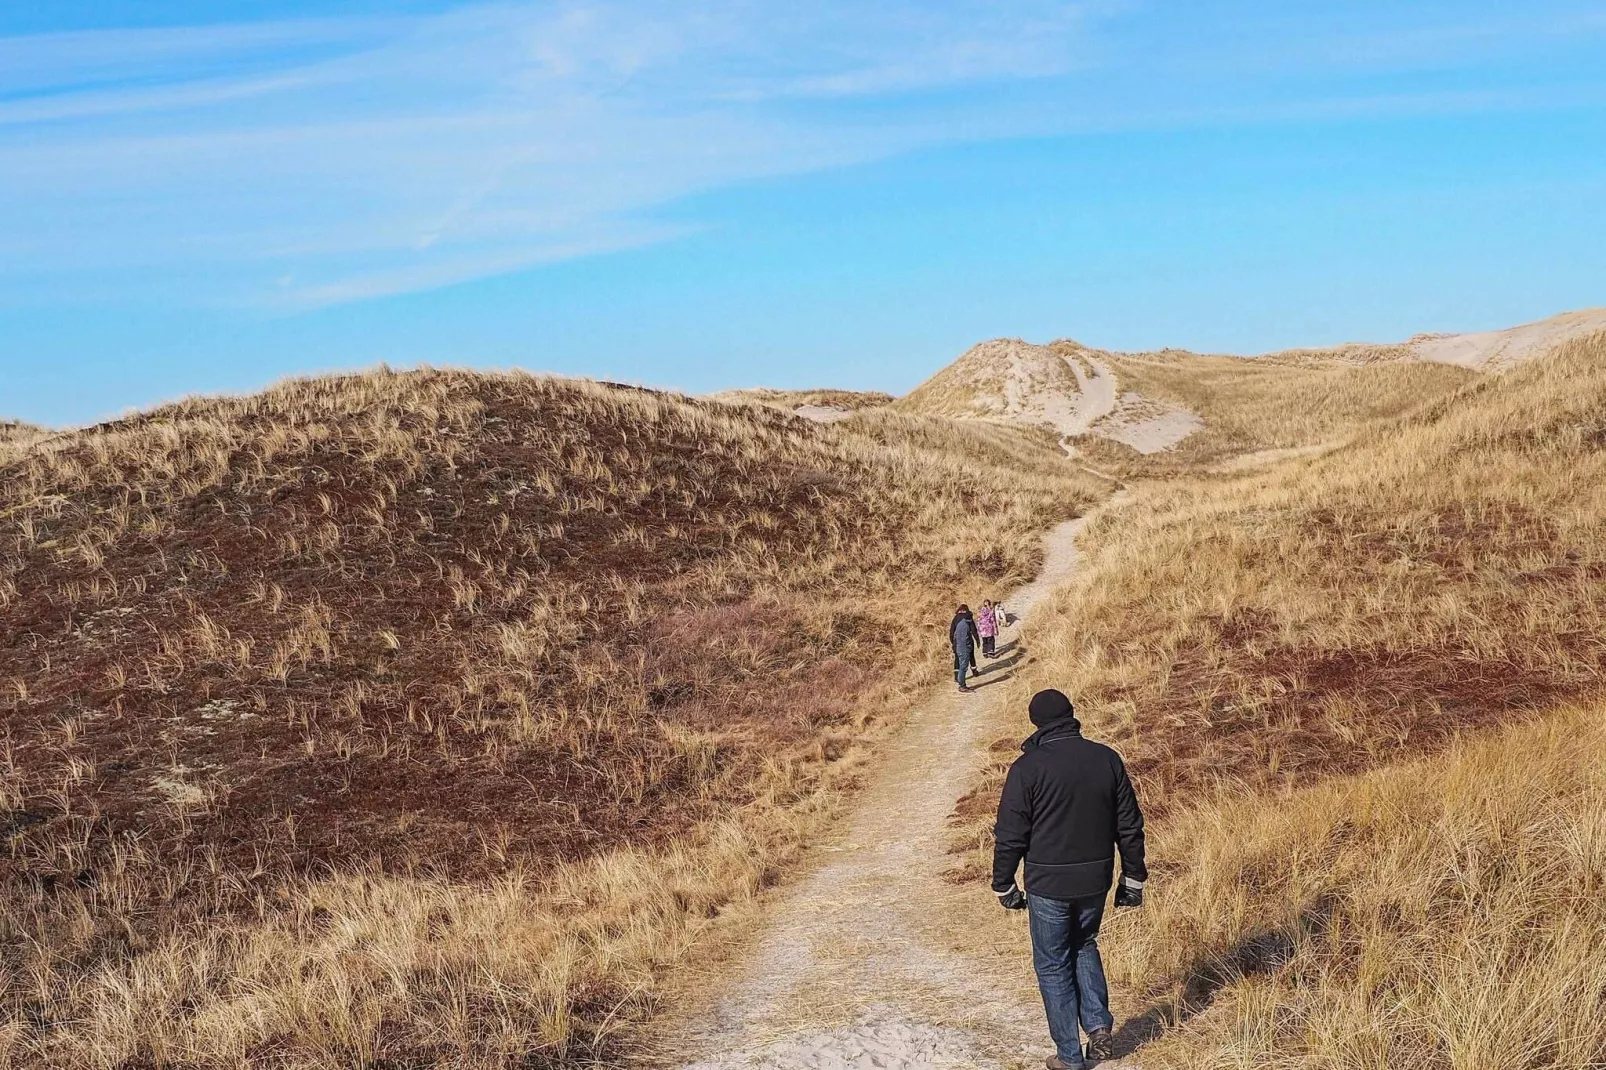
(1050, 706)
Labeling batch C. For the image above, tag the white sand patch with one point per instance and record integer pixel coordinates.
(1478, 350)
(1493, 350)
(181, 793)
(1040, 385)
(822, 414)
(1146, 425)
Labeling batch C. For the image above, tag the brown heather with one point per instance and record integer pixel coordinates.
(1360, 691)
(425, 718)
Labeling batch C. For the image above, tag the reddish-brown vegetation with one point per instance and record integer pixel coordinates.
(435, 625)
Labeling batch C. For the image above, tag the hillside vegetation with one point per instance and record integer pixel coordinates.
(792, 400)
(1442, 913)
(1265, 404)
(17, 433)
(401, 719)
(1267, 649)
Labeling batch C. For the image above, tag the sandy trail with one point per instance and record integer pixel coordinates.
(854, 968)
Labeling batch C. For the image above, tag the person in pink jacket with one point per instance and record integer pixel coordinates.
(987, 628)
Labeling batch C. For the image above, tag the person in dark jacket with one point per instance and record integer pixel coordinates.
(962, 634)
(1067, 809)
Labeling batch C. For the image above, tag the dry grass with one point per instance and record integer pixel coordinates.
(1241, 638)
(1264, 403)
(16, 434)
(424, 718)
(792, 400)
(1447, 913)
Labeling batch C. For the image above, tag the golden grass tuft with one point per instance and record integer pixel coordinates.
(15, 434)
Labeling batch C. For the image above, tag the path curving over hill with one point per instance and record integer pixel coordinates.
(855, 969)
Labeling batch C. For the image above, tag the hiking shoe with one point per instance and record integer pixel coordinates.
(966, 690)
(1100, 1045)
(1056, 1063)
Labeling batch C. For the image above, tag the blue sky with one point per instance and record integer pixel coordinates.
(209, 196)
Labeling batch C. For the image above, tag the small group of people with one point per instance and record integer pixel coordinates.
(1067, 811)
(969, 630)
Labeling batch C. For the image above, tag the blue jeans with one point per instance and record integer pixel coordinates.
(1070, 974)
(961, 666)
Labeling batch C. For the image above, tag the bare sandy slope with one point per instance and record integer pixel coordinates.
(1065, 386)
(1479, 350)
(1007, 378)
(1492, 350)
(862, 963)
(823, 414)
(1146, 425)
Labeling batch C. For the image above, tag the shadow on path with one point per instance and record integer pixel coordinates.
(1000, 669)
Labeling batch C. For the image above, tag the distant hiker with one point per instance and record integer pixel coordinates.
(987, 628)
(962, 634)
(1003, 618)
(1067, 807)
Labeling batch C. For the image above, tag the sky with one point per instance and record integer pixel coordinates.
(204, 196)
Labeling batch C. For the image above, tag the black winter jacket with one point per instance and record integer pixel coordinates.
(1067, 805)
(962, 634)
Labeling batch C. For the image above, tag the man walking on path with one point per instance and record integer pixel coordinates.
(962, 634)
(1066, 809)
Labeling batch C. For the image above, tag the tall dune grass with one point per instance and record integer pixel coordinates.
(1446, 913)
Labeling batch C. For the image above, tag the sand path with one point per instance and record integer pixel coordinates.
(859, 964)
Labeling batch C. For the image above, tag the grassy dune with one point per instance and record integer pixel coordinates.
(399, 719)
(991, 379)
(791, 400)
(1267, 650)
(1266, 404)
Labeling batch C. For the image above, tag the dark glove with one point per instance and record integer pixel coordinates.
(1128, 897)
(1014, 899)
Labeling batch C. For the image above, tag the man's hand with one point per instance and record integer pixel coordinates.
(1014, 899)
(1128, 896)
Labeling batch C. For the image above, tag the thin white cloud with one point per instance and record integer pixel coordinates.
(308, 162)
(359, 158)
(464, 266)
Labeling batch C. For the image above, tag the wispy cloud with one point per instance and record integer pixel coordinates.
(364, 157)
(307, 162)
